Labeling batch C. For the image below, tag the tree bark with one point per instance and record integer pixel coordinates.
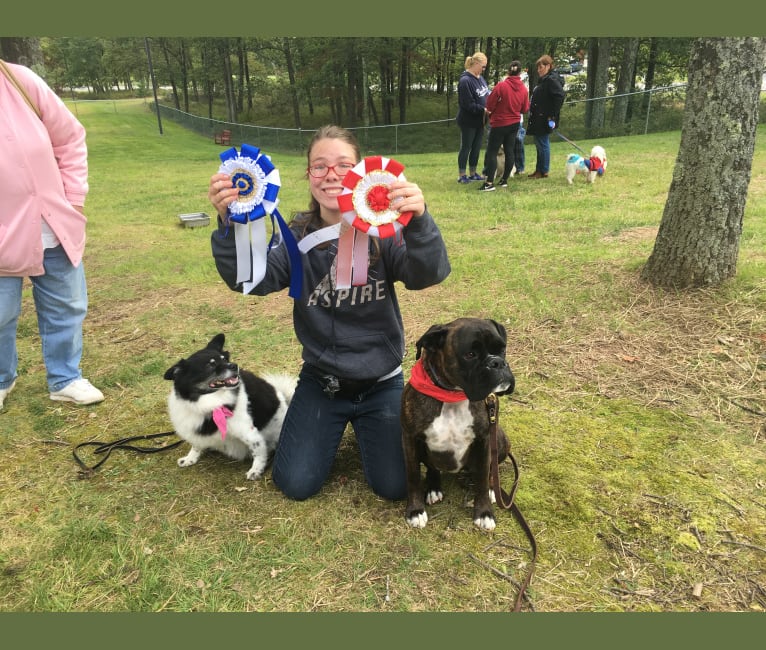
(624, 81)
(404, 79)
(293, 85)
(164, 47)
(698, 240)
(597, 82)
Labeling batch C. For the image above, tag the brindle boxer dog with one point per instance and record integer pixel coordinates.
(445, 425)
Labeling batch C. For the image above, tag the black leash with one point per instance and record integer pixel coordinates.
(504, 499)
(123, 443)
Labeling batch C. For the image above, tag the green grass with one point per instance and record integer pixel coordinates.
(638, 419)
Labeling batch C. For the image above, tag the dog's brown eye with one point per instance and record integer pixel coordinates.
(470, 355)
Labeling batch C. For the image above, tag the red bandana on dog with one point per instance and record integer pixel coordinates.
(422, 383)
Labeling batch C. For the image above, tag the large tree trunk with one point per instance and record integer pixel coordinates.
(599, 57)
(698, 240)
(404, 79)
(624, 81)
(164, 47)
(224, 49)
(293, 84)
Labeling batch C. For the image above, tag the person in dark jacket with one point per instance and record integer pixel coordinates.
(544, 113)
(352, 339)
(472, 92)
(505, 105)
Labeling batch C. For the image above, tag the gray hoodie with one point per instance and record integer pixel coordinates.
(354, 333)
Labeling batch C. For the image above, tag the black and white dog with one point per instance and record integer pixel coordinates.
(216, 405)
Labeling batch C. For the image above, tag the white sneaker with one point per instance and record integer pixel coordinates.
(4, 393)
(80, 391)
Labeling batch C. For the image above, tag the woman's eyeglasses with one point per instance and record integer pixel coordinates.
(320, 170)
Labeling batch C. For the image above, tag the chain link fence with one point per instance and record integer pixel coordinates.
(641, 112)
(637, 113)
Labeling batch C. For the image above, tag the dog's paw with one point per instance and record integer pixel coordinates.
(434, 496)
(418, 519)
(257, 468)
(487, 522)
(492, 496)
(190, 459)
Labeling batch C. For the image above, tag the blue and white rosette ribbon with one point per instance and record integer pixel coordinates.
(257, 179)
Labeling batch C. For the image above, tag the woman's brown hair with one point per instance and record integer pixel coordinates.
(545, 60)
(311, 218)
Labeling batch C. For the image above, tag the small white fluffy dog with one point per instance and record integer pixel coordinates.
(590, 167)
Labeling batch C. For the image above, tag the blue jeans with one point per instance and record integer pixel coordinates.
(543, 146)
(470, 146)
(518, 150)
(61, 301)
(314, 426)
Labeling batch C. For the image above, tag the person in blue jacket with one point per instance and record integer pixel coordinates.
(472, 92)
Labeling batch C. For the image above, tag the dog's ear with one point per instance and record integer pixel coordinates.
(217, 342)
(500, 329)
(433, 339)
(171, 372)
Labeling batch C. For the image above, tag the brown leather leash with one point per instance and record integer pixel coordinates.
(502, 498)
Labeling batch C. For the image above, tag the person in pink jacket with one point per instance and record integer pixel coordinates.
(506, 103)
(43, 184)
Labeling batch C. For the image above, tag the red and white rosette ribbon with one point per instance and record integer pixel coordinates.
(365, 206)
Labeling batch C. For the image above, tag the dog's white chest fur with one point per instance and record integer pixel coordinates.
(452, 431)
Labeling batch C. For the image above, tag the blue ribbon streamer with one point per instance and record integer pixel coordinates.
(296, 262)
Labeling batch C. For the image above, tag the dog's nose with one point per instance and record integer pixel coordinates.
(496, 363)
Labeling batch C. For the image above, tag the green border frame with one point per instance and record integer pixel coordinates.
(381, 18)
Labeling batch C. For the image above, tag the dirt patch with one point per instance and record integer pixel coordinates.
(639, 233)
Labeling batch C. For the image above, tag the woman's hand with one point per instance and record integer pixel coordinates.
(221, 193)
(407, 197)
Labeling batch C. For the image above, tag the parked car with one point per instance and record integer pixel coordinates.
(568, 66)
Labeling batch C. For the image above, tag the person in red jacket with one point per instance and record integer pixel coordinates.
(505, 105)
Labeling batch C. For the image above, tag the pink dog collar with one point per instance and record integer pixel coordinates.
(220, 416)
